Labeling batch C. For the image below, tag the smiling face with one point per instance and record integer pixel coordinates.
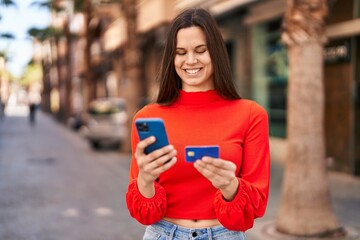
(192, 60)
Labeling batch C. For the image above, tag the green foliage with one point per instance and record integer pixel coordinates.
(4, 54)
(110, 1)
(32, 74)
(79, 5)
(49, 4)
(43, 34)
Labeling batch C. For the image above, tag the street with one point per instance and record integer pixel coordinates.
(53, 186)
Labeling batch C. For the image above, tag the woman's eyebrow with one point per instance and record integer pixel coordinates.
(201, 45)
(198, 46)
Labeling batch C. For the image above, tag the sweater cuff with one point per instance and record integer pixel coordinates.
(231, 214)
(220, 200)
(146, 210)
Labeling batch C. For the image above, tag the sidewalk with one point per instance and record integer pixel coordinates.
(53, 185)
(345, 196)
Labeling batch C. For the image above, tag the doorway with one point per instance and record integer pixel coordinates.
(357, 108)
(338, 105)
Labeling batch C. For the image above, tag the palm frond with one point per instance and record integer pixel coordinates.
(43, 34)
(48, 4)
(8, 3)
(8, 36)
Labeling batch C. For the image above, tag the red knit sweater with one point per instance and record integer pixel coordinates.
(240, 128)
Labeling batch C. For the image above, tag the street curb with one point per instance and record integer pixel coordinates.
(266, 230)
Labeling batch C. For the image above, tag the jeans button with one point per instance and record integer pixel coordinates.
(194, 234)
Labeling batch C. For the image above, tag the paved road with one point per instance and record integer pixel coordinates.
(53, 186)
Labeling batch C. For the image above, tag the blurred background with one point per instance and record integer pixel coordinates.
(89, 65)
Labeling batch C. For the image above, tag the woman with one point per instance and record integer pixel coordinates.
(213, 198)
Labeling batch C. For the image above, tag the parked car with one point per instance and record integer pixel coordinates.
(106, 122)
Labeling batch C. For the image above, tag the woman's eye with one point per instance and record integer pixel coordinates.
(201, 51)
(180, 52)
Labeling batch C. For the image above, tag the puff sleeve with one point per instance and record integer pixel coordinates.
(252, 196)
(145, 210)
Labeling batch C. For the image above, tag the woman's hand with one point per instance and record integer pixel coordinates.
(221, 174)
(152, 165)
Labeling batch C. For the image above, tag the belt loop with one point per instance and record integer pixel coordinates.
(172, 231)
(210, 235)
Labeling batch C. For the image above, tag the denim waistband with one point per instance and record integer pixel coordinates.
(174, 231)
(169, 225)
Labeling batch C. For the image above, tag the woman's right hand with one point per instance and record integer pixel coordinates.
(152, 165)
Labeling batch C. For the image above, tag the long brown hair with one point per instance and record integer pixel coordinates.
(170, 82)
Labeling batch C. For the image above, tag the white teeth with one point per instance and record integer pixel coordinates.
(192, 71)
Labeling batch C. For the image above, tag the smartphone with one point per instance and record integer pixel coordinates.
(147, 127)
(193, 153)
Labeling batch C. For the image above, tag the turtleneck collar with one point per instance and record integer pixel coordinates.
(197, 98)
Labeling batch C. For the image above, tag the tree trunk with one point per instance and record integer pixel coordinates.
(88, 84)
(305, 208)
(68, 77)
(61, 78)
(132, 63)
(46, 85)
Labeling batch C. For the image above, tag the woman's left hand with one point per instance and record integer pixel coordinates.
(221, 174)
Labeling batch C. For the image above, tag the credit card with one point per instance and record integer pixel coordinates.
(193, 153)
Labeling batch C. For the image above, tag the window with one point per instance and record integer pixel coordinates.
(270, 74)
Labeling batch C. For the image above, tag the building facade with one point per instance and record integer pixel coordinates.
(252, 32)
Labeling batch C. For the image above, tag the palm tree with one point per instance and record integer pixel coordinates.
(43, 35)
(132, 61)
(305, 208)
(89, 88)
(63, 63)
(86, 7)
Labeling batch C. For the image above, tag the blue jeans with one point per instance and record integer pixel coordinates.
(164, 230)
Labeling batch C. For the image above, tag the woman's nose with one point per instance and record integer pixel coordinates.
(191, 58)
